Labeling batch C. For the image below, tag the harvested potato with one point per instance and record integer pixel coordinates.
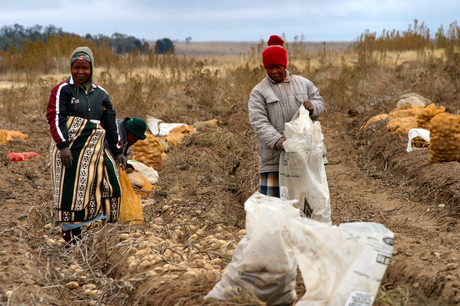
(72, 285)
(123, 237)
(130, 259)
(142, 252)
(133, 265)
(145, 265)
(136, 235)
(89, 286)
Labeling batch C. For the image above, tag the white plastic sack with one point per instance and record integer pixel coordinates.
(302, 174)
(261, 262)
(150, 173)
(425, 134)
(159, 128)
(340, 265)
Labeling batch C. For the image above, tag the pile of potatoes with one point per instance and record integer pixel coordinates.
(150, 152)
(444, 129)
(445, 138)
(407, 117)
(167, 257)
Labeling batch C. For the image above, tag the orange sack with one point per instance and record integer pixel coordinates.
(445, 138)
(148, 152)
(6, 136)
(131, 204)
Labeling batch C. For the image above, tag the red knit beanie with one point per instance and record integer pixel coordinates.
(275, 54)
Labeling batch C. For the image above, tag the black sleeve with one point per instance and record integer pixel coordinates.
(109, 123)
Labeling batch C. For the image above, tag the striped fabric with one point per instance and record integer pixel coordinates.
(91, 185)
(269, 184)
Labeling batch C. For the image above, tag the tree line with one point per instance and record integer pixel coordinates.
(14, 36)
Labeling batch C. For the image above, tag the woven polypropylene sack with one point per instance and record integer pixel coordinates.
(131, 204)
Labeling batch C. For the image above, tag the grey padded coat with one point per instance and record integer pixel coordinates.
(273, 104)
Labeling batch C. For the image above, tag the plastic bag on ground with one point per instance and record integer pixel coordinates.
(425, 134)
(159, 128)
(302, 174)
(25, 156)
(340, 265)
(131, 203)
(150, 173)
(261, 263)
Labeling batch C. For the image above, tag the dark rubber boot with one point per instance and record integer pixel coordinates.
(67, 235)
(71, 236)
(76, 234)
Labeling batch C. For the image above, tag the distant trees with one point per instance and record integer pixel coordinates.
(15, 36)
(164, 45)
(123, 43)
(188, 39)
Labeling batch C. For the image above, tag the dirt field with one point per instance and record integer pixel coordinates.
(371, 179)
(195, 217)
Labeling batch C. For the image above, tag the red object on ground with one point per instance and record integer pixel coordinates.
(25, 156)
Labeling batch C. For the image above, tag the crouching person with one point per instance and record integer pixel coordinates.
(131, 130)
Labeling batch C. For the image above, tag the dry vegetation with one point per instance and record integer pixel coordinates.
(195, 217)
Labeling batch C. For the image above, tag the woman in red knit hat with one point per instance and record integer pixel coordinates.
(272, 103)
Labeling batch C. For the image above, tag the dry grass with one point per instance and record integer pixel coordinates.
(223, 48)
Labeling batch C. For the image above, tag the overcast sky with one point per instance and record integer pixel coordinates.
(235, 20)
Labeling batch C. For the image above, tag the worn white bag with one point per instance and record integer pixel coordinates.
(159, 128)
(341, 265)
(302, 175)
(424, 134)
(262, 263)
(150, 173)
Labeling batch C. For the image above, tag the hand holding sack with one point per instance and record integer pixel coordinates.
(279, 144)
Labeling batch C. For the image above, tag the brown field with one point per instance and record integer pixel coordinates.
(195, 217)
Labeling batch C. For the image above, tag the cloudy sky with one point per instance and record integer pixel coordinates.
(235, 20)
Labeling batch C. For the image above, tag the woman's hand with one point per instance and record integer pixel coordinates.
(66, 157)
(121, 160)
(279, 144)
(309, 106)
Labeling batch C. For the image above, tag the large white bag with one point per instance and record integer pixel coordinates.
(159, 128)
(301, 172)
(262, 263)
(340, 265)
